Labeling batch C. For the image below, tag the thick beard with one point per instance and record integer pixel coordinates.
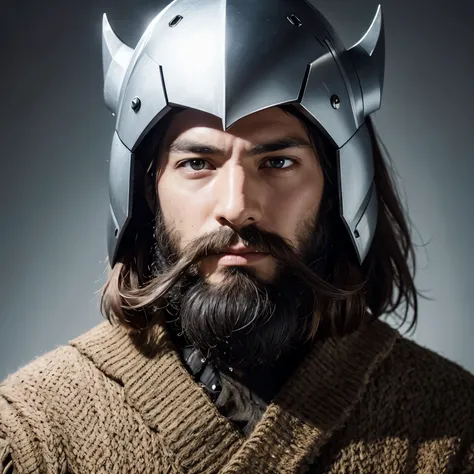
(242, 321)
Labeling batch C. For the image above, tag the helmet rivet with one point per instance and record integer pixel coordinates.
(175, 21)
(294, 20)
(335, 102)
(136, 104)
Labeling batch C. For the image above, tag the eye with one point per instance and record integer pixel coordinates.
(278, 162)
(196, 164)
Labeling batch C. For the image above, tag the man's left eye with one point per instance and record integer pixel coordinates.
(279, 162)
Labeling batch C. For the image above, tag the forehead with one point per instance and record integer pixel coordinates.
(255, 128)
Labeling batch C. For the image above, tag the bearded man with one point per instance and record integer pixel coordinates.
(255, 240)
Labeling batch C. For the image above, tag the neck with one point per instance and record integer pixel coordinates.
(241, 395)
(263, 380)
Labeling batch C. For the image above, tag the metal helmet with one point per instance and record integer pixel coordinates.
(232, 58)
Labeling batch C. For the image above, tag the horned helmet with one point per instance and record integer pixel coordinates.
(232, 58)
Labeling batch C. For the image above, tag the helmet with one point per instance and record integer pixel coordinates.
(232, 58)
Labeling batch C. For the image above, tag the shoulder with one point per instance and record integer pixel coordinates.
(35, 406)
(63, 365)
(424, 394)
(43, 402)
(51, 382)
(424, 369)
(435, 400)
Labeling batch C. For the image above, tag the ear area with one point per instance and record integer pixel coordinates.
(116, 57)
(368, 58)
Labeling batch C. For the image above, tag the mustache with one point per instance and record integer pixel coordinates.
(215, 242)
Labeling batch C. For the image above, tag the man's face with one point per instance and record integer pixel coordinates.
(262, 171)
(255, 187)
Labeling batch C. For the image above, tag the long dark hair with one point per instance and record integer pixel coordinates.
(382, 285)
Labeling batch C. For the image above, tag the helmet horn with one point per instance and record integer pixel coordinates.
(368, 57)
(116, 57)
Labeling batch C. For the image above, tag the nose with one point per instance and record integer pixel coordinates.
(237, 197)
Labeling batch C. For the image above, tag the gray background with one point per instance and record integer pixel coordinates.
(55, 135)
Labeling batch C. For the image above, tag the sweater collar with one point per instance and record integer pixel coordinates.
(316, 400)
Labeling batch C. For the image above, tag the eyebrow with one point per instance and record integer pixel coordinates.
(190, 146)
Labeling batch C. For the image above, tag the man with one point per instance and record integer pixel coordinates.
(255, 239)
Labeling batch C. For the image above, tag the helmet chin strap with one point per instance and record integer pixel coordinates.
(203, 371)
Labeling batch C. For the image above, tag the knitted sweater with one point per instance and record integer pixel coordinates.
(371, 402)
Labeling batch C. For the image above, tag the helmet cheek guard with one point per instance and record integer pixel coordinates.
(232, 58)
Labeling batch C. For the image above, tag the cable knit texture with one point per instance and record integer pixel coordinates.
(372, 402)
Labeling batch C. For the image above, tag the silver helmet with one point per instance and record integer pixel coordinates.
(232, 58)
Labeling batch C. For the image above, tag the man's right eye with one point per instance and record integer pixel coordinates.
(196, 164)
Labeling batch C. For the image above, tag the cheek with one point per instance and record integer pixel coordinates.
(181, 209)
(299, 206)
